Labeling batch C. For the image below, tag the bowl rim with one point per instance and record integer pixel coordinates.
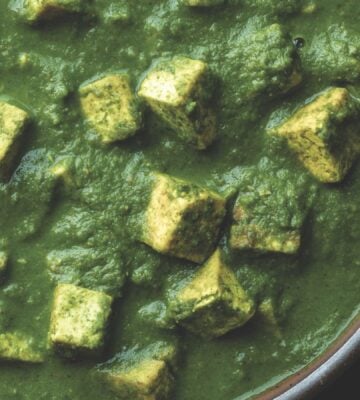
(311, 379)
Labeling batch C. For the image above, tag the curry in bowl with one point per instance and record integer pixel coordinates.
(179, 194)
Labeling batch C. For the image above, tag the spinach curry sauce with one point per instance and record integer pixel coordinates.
(73, 209)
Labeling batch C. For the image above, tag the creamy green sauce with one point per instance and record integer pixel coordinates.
(85, 231)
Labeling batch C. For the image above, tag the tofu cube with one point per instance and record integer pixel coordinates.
(202, 3)
(182, 219)
(110, 107)
(179, 91)
(18, 347)
(324, 134)
(146, 380)
(141, 375)
(251, 231)
(79, 318)
(36, 10)
(213, 302)
(13, 121)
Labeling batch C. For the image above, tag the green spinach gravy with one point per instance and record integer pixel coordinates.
(89, 301)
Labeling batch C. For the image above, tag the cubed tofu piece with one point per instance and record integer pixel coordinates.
(324, 134)
(79, 318)
(213, 302)
(202, 3)
(3, 263)
(36, 10)
(182, 219)
(247, 232)
(146, 380)
(111, 108)
(18, 347)
(13, 121)
(270, 209)
(267, 315)
(141, 375)
(179, 91)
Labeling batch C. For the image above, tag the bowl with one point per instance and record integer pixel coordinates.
(310, 380)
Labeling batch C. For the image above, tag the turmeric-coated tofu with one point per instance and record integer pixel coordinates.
(213, 302)
(202, 3)
(110, 107)
(79, 318)
(13, 121)
(180, 91)
(147, 380)
(141, 374)
(324, 134)
(182, 219)
(261, 231)
(36, 10)
(15, 346)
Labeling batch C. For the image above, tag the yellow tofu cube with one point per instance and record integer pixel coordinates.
(141, 374)
(18, 347)
(148, 379)
(79, 318)
(182, 219)
(179, 92)
(270, 209)
(36, 10)
(214, 302)
(324, 134)
(246, 233)
(13, 121)
(254, 237)
(110, 107)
